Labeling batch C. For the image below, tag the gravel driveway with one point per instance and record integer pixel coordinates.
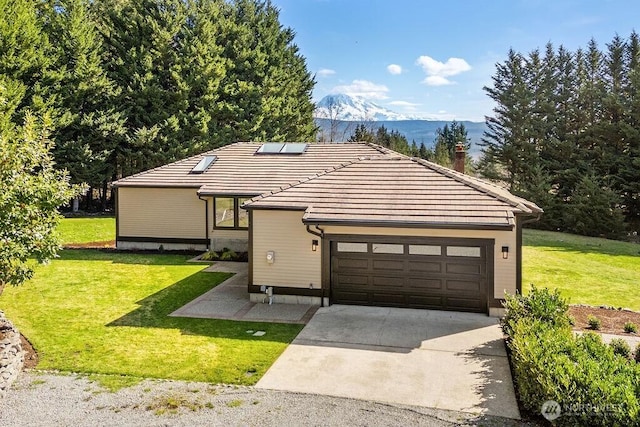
(38, 399)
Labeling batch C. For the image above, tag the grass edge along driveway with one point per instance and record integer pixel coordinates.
(101, 312)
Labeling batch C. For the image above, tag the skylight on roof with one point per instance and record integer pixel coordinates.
(294, 148)
(279, 148)
(270, 148)
(203, 164)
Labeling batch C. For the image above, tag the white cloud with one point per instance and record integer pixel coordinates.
(403, 104)
(436, 81)
(394, 69)
(325, 72)
(363, 89)
(437, 72)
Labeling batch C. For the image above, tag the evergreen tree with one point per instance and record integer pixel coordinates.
(267, 88)
(444, 148)
(629, 177)
(361, 133)
(88, 124)
(564, 134)
(423, 152)
(508, 155)
(26, 60)
(591, 210)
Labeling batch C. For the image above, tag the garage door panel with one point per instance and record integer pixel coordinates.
(353, 279)
(420, 283)
(425, 301)
(434, 273)
(352, 297)
(428, 266)
(464, 304)
(352, 263)
(388, 281)
(464, 286)
(382, 264)
(463, 268)
(387, 299)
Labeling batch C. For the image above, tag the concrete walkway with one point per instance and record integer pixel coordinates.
(435, 359)
(230, 300)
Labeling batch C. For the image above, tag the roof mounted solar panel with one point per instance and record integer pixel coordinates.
(282, 148)
(270, 148)
(294, 148)
(203, 164)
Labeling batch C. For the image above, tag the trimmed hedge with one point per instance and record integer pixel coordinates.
(593, 385)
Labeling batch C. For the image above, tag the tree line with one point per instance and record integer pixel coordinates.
(566, 134)
(130, 85)
(442, 152)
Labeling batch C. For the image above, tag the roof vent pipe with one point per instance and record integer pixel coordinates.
(458, 163)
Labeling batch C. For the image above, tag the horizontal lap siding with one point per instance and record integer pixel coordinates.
(504, 269)
(230, 234)
(296, 265)
(161, 213)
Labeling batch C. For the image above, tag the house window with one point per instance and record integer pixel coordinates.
(228, 213)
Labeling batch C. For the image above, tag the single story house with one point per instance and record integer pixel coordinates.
(323, 223)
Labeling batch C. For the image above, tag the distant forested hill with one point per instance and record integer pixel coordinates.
(420, 131)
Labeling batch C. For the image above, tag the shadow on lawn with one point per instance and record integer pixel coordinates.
(154, 312)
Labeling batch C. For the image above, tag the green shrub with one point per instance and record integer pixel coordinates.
(593, 385)
(620, 347)
(637, 354)
(228, 255)
(210, 256)
(630, 328)
(541, 304)
(594, 323)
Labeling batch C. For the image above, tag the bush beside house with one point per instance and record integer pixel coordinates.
(592, 381)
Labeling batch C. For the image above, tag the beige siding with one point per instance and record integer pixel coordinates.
(237, 240)
(504, 269)
(230, 234)
(282, 232)
(161, 212)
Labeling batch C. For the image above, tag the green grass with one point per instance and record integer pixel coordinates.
(107, 313)
(85, 230)
(586, 270)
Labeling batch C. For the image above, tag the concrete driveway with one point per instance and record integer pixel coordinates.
(435, 359)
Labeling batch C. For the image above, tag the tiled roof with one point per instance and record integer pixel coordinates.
(238, 171)
(398, 190)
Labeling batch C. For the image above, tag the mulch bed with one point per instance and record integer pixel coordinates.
(612, 319)
(30, 355)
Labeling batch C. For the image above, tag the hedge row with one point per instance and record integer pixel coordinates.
(592, 384)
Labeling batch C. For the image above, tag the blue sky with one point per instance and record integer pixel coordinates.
(432, 58)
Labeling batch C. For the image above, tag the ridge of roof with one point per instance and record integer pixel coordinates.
(386, 153)
(487, 188)
(239, 143)
(483, 186)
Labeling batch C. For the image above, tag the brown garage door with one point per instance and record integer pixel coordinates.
(434, 274)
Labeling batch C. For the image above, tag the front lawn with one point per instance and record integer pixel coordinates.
(586, 270)
(106, 313)
(87, 230)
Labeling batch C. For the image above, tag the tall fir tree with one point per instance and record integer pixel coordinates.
(88, 124)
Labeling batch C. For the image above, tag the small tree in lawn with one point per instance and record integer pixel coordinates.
(31, 192)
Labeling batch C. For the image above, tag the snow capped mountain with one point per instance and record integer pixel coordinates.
(354, 109)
